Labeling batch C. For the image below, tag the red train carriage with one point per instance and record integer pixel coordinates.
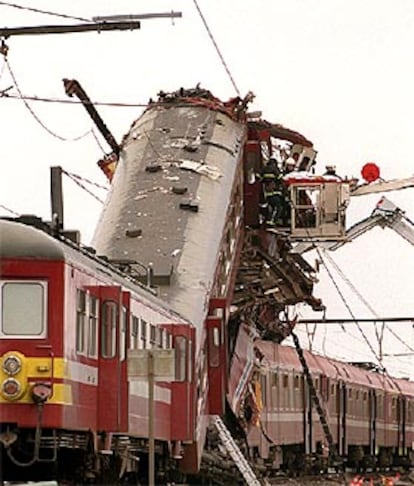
(369, 414)
(67, 322)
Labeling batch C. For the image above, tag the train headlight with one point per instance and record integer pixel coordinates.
(12, 365)
(11, 388)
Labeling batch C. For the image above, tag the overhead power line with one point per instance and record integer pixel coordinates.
(45, 12)
(116, 104)
(39, 121)
(216, 47)
(366, 303)
(77, 180)
(9, 210)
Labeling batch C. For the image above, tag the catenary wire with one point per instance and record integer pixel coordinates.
(39, 121)
(44, 12)
(9, 210)
(216, 47)
(76, 181)
(98, 141)
(358, 294)
(371, 348)
(74, 102)
(83, 179)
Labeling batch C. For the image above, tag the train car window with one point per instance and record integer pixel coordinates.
(133, 341)
(122, 334)
(394, 408)
(153, 335)
(80, 321)
(93, 327)
(380, 405)
(180, 358)
(214, 347)
(285, 381)
(160, 332)
(23, 309)
(274, 390)
(144, 325)
(108, 329)
(296, 381)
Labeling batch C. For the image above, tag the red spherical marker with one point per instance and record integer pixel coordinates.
(370, 172)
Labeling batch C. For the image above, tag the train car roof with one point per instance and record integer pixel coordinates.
(19, 240)
(179, 235)
(285, 357)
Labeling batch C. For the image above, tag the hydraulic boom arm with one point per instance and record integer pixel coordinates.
(72, 87)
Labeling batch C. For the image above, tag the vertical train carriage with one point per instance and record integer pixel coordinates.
(185, 202)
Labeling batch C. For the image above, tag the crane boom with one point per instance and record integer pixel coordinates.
(383, 186)
(73, 87)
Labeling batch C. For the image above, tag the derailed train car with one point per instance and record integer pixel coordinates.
(171, 236)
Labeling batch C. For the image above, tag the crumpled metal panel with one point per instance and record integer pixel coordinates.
(142, 219)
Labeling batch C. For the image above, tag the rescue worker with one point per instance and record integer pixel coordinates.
(331, 171)
(291, 163)
(272, 193)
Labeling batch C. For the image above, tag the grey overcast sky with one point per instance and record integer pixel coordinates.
(339, 71)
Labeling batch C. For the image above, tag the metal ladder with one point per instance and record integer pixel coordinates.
(235, 453)
(321, 412)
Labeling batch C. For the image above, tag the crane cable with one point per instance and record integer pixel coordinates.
(217, 48)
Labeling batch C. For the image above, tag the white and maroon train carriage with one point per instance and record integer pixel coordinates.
(370, 415)
(67, 322)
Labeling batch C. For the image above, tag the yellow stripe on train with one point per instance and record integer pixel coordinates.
(61, 395)
(16, 367)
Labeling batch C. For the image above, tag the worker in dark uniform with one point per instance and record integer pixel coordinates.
(273, 204)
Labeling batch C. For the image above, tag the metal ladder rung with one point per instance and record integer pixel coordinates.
(235, 453)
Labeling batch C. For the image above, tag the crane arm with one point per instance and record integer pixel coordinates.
(72, 87)
(383, 186)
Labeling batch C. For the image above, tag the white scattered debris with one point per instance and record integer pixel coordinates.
(177, 143)
(207, 170)
(176, 252)
(140, 196)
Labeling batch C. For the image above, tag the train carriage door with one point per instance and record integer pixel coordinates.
(217, 356)
(110, 369)
(123, 345)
